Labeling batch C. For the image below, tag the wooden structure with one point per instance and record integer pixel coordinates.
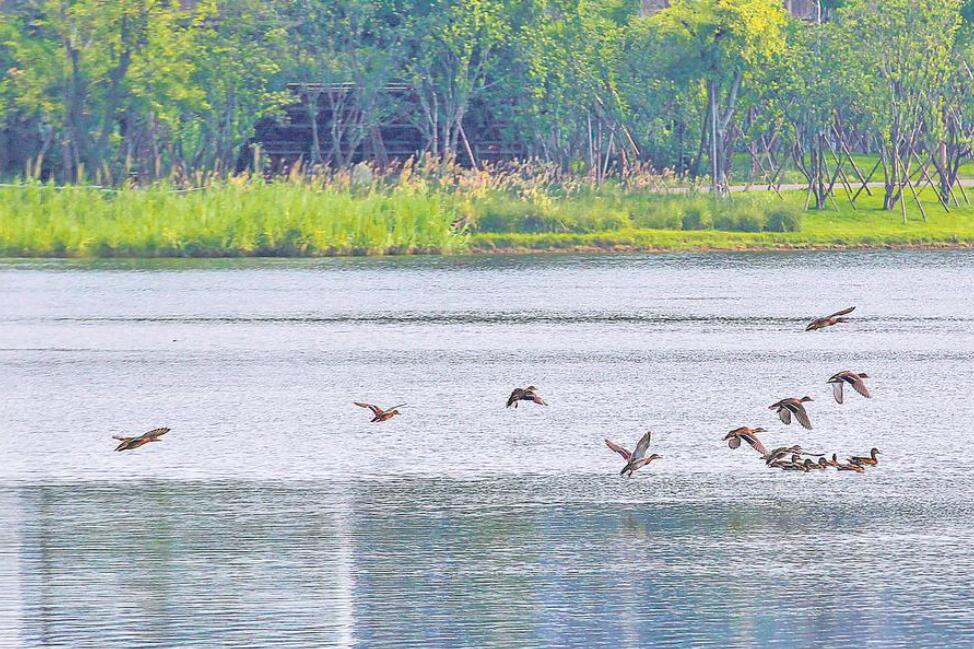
(338, 124)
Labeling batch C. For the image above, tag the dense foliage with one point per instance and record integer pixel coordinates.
(149, 89)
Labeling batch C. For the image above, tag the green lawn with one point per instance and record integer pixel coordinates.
(741, 171)
(843, 227)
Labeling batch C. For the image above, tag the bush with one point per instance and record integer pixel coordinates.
(655, 213)
(510, 214)
(591, 215)
(696, 216)
(784, 219)
(739, 216)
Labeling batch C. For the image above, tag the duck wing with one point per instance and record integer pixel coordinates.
(641, 446)
(394, 407)
(842, 312)
(802, 415)
(784, 415)
(858, 384)
(515, 397)
(837, 391)
(156, 433)
(376, 410)
(534, 396)
(755, 443)
(624, 452)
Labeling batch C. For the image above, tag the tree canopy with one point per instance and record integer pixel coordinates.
(152, 88)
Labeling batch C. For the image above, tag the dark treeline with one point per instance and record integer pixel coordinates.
(113, 89)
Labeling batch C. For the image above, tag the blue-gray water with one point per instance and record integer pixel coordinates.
(274, 514)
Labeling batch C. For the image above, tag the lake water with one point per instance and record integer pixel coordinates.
(275, 514)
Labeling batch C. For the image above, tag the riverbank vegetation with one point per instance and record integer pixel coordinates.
(362, 212)
(717, 89)
(126, 127)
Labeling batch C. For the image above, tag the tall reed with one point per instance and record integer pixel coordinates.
(238, 217)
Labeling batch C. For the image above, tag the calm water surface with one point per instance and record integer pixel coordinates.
(274, 514)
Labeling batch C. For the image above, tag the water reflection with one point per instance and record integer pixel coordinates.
(498, 563)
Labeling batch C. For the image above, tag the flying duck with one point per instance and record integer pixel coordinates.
(839, 380)
(529, 393)
(749, 435)
(829, 320)
(129, 443)
(378, 413)
(792, 406)
(636, 459)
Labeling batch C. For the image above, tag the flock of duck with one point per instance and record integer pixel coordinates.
(795, 458)
(778, 458)
(786, 458)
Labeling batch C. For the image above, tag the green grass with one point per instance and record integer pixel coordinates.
(248, 217)
(867, 226)
(232, 219)
(741, 170)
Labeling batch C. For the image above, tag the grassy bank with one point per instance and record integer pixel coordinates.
(229, 219)
(346, 215)
(841, 227)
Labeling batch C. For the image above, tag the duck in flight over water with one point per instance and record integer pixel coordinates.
(378, 413)
(792, 406)
(749, 435)
(529, 393)
(829, 320)
(129, 443)
(637, 459)
(839, 380)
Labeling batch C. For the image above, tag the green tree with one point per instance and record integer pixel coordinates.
(720, 43)
(357, 42)
(901, 60)
(454, 46)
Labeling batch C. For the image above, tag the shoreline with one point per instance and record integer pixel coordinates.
(810, 247)
(481, 251)
(295, 220)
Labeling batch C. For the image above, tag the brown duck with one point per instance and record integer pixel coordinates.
(378, 414)
(792, 406)
(829, 320)
(636, 459)
(793, 466)
(811, 465)
(839, 380)
(749, 435)
(872, 460)
(129, 443)
(850, 467)
(529, 393)
(780, 452)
